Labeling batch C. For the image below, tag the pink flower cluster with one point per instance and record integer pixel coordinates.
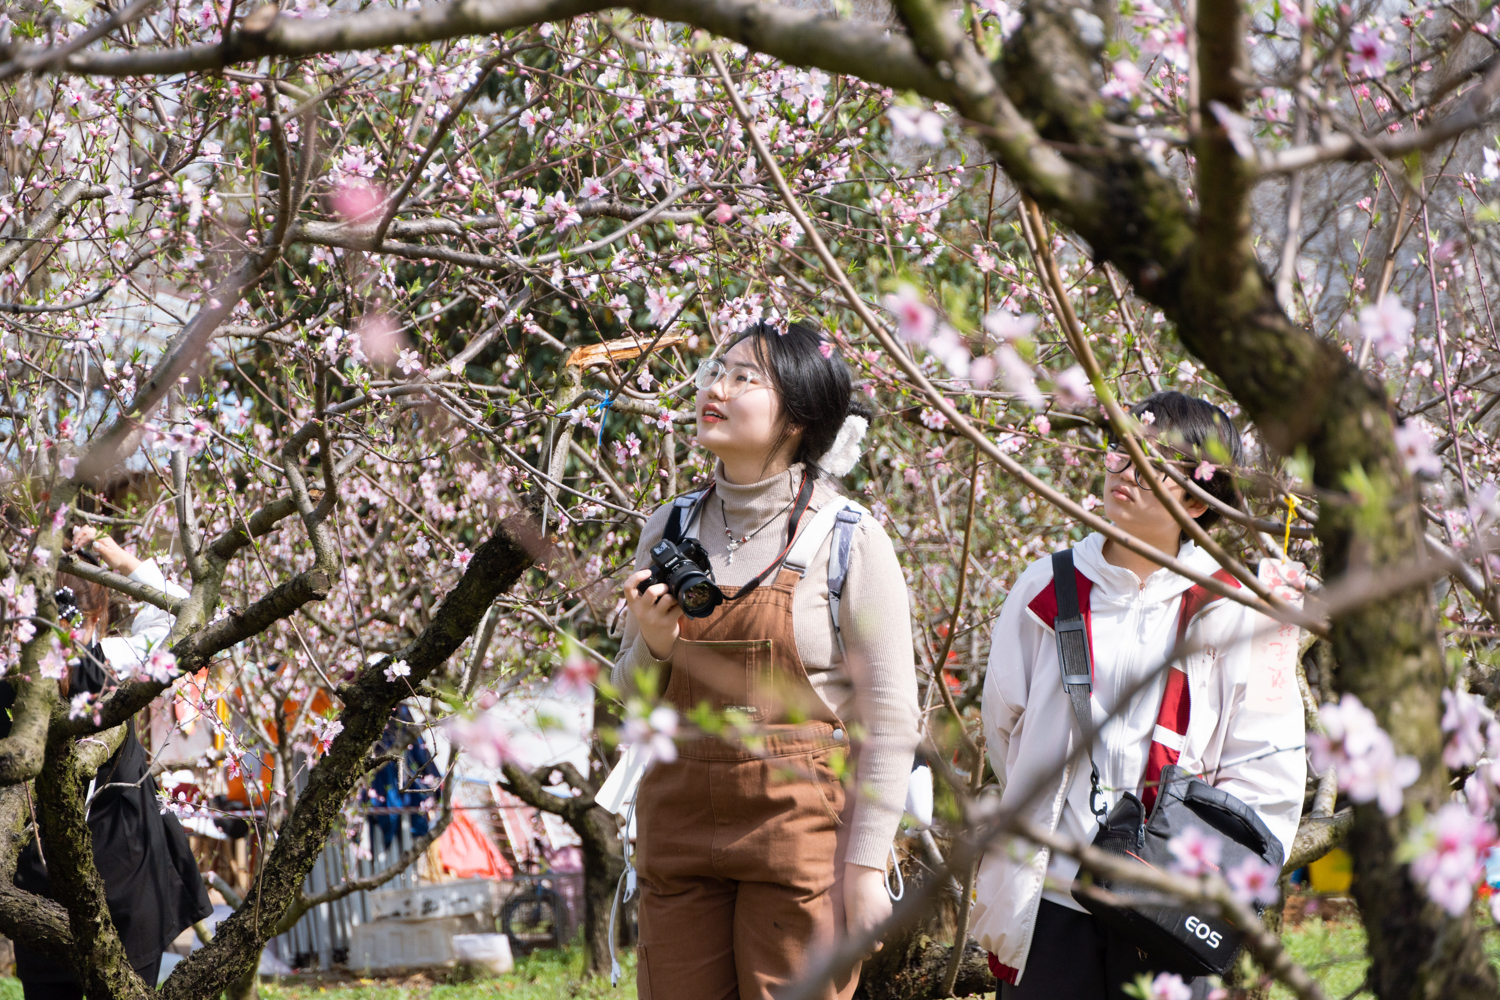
(577, 674)
(1369, 768)
(324, 730)
(655, 728)
(19, 605)
(1197, 852)
(484, 737)
(1448, 850)
(1453, 845)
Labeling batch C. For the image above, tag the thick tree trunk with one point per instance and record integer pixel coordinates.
(247, 987)
(98, 957)
(603, 860)
(1198, 264)
(602, 865)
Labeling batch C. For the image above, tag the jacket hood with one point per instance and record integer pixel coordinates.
(1118, 585)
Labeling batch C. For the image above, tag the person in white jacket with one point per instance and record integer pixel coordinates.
(1041, 941)
(127, 654)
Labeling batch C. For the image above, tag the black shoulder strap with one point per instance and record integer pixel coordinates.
(675, 520)
(683, 509)
(1076, 658)
(1073, 651)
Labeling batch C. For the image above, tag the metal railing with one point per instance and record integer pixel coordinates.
(322, 938)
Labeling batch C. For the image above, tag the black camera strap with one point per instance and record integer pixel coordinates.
(804, 497)
(683, 516)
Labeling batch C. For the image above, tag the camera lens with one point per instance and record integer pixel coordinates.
(685, 571)
(699, 599)
(695, 591)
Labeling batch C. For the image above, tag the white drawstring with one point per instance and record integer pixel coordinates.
(900, 881)
(627, 880)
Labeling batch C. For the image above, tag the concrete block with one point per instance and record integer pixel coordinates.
(400, 944)
(442, 899)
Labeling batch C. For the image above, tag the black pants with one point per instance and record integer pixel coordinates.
(1073, 958)
(72, 991)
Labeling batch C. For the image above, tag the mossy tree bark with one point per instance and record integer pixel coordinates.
(603, 861)
(1039, 112)
(1197, 263)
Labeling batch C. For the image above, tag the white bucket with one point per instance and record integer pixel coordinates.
(490, 952)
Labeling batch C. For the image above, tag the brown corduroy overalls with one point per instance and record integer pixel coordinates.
(739, 837)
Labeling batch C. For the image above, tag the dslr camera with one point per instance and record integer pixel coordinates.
(684, 568)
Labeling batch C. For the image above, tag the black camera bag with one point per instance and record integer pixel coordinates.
(1189, 939)
(1182, 937)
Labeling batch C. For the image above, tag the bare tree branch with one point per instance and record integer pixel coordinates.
(800, 37)
(368, 701)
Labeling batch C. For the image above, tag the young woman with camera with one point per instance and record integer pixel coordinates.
(753, 854)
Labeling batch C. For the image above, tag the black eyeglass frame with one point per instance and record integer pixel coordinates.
(1115, 448)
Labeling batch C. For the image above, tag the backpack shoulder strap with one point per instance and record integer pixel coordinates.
(838, 563)
(681, 516)
(810, 538)
(1198, 598)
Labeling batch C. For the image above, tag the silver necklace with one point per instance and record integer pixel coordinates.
(733, 544)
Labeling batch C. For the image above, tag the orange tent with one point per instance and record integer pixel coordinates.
(465, 852)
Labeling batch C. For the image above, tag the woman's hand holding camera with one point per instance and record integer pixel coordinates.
(656, 612)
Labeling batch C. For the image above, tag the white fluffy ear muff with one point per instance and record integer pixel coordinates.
(846, 448)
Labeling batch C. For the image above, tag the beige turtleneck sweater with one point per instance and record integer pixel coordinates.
(875, 691)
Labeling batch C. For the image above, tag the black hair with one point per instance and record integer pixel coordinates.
(816, 389)
(1194, 430)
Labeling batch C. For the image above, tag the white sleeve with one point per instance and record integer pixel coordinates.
(1013, 652)
(1263, 753)
(151, 625)
(634, 656)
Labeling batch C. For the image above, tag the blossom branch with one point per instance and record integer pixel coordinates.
(122, 584)
(800, 37)
(941, 403)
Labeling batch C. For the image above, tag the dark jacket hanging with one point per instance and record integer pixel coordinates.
(151, 879)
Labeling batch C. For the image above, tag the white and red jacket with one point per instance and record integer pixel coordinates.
(1197, 717)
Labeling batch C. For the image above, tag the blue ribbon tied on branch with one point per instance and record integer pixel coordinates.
(603, 407)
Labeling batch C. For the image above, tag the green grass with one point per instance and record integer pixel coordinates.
(1335, 955)
(544, 975)
(1332, 951)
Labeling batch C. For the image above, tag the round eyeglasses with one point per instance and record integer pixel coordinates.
(1117, 460)
(737, 380)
